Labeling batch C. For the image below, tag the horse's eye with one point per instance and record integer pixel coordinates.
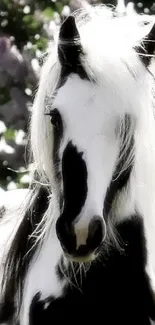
(55, 118)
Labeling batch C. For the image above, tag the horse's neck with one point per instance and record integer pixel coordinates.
(139, 195)
(145, 186)
(42, 276)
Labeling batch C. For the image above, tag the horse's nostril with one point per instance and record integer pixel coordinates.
(66, 235)
(96, 233)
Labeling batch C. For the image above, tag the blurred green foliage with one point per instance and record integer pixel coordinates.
(23, 23)
(24, 19)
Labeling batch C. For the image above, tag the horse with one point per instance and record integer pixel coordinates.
(79, 244)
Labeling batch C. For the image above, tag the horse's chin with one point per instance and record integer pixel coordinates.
(81, 259)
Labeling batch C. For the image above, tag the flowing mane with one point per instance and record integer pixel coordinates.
(91, 206)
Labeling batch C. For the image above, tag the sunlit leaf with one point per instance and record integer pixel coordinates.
(48, 12)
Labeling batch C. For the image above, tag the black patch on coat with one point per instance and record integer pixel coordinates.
(115, 288)
(120, 177)
(56, 120)
(74, 173)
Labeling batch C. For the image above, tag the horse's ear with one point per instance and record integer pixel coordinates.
(148, 47)
(69, 47)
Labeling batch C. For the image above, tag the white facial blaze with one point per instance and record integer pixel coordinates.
(90, 123)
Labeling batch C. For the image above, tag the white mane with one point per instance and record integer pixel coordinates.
(110, 58)
(107, 42)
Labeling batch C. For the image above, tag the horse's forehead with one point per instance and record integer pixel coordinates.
(82, 109)
(75, 92)
(80, 99)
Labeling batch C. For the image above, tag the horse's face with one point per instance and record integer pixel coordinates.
(86, 148)
(85, 151)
